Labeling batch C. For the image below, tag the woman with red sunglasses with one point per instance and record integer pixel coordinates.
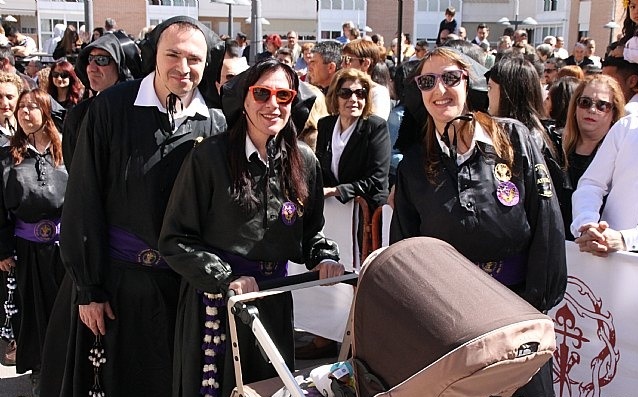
(244, 203)
(481, 184)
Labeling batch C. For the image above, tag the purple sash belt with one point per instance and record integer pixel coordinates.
(260, 270)
(44, 231)
(508, 271)
(127, 247)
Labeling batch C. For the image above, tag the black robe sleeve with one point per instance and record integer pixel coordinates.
(181, 240)
(405, 217)
(7, 238)
(83, 238)
(546, 263)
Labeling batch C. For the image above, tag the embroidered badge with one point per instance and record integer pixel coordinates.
(148, 257)
(491, 268)
(502, 172)
(267, 268)
(543, 181)
(507, 193)
(45, 230)
(288, 213)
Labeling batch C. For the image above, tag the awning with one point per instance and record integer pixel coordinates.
(13, 11)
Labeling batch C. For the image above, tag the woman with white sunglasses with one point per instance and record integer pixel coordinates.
(481, 184)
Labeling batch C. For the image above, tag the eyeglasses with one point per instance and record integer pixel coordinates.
(28, 106)
(451, 78)
(100, 60)
(585, 102)
(283, 95)
(550, 70)
(64, 75)
(291, 37)
(347, 59)
(346, 93)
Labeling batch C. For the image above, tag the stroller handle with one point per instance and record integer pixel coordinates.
(292, 280)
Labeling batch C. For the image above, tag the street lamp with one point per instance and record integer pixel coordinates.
(230, 4)
(527, 21)
(611, 25)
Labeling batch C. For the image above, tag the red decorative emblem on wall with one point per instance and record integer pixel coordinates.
(585, 339)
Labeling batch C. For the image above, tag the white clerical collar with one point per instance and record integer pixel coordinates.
(251, 148)
(147, 97)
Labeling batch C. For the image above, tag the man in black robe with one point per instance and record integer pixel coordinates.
(131, 145)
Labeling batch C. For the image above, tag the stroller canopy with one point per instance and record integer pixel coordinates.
(428, 322)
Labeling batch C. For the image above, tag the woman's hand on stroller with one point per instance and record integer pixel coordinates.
(329, 269)
(244, 285)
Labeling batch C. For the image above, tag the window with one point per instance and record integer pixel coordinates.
(326, 5)
(337, 5)
(348, 4)
(359, 5)
(550, 5)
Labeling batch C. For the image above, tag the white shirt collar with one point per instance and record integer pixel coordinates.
(251, 148)
(146, 96)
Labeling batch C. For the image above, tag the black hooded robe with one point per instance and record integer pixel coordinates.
(125, 165)
(462, 208)
(204, 218)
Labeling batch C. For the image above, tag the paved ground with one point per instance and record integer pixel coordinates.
(14, 385)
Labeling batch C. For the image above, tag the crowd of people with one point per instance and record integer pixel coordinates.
(144, 179)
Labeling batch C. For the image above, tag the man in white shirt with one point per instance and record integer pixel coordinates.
(626, 74)
(612, 173)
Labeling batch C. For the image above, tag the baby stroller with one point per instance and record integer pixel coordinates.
(427, 322)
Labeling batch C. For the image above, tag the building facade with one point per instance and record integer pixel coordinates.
(322, 19)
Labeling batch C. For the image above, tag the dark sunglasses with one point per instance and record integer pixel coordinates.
(64, 75)
(346, 93)
(451, 78)
(283, 95)
(585, 102)
(100, 60)
(347, 59)
(550, 70)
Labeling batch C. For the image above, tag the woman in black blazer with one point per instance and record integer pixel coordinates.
(353, 146)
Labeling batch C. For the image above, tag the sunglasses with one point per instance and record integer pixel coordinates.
(585, 102)
(64, 75)
(100, 60)
(346, 93)
(347, 59)
(550, 70)
(283, 95)
(451, 78)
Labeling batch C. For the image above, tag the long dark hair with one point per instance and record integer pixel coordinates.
(20, 140)
(521, 96)
(292, 181)
(560, 94)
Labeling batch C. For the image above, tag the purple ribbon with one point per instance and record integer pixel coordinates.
(127, 247)
(260, 270)
(44, 231)
(508, 271)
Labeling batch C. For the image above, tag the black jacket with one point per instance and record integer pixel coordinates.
(462, 208)
(364, 164)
